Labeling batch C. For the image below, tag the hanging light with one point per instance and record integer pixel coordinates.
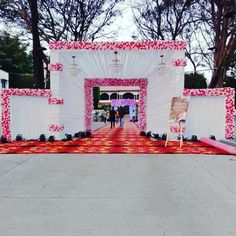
(116, 66)
(73, 69)
(161, 67)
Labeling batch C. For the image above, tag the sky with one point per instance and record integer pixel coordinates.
(125, 23)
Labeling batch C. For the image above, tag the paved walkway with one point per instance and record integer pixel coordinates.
(98, 125)
(117, 195)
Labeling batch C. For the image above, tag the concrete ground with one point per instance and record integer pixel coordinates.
(117, 195)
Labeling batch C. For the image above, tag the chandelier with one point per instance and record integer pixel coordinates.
(116, 66)
(73, 69)
(162, 68)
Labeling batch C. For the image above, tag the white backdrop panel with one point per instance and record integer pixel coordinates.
(54, 75)
(29, 116)
(72, 112)
(206, 116)
(161, 89)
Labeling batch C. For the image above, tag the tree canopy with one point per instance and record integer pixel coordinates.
(96, 96)
(57, 20)
(15, 60)
(72, 20)
(195, 81)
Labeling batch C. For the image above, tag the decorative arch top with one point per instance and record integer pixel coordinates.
(115, 82)
(96, 46)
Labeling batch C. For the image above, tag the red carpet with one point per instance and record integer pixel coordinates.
(107, 140)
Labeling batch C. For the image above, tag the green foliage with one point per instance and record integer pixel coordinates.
(195, 81)
(22, 81)
(105, 107)
(16, 61)
(96, 96)
(230, 82)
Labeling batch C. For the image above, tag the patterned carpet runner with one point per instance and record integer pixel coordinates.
(106, 140)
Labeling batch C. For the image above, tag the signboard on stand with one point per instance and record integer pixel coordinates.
(178, 113)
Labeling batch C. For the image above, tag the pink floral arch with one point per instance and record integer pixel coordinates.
(96, 82)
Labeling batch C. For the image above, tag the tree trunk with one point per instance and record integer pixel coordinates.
(217, 78)
(37, 50)
(224, 40)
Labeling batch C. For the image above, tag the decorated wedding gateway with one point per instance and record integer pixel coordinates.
(154, 69)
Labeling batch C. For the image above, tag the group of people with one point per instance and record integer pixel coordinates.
(116, 115)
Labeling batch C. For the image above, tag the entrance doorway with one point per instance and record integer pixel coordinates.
(90, 83)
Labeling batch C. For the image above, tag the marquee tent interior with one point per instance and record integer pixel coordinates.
(157, 68)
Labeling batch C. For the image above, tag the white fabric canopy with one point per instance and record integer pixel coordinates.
(136, 64)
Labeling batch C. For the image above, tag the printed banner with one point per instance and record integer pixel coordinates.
(178, 112)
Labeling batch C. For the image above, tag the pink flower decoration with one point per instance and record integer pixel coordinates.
(55, 101)
(78, 45)
(55, 67)
(56, 128)
(180, 62)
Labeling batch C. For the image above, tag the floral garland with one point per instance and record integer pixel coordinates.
(55, 101)
(229, 94)
(55, 67)
(90, 83)
(180, 62)
(56, 128)
(156, 45)
(6, 116)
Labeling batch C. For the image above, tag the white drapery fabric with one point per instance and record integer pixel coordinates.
(29, 116)
(206, 116)
(136, 64)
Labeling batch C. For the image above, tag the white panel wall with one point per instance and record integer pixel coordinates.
(55, 88)
(161, 89)
(30, 116)
(206, 116)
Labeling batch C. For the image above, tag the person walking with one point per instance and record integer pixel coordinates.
(121, 114)
(117, 115)
(104, 116)
(134, 115)
(113, 117)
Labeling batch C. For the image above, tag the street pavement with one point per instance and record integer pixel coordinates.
(117, 195)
